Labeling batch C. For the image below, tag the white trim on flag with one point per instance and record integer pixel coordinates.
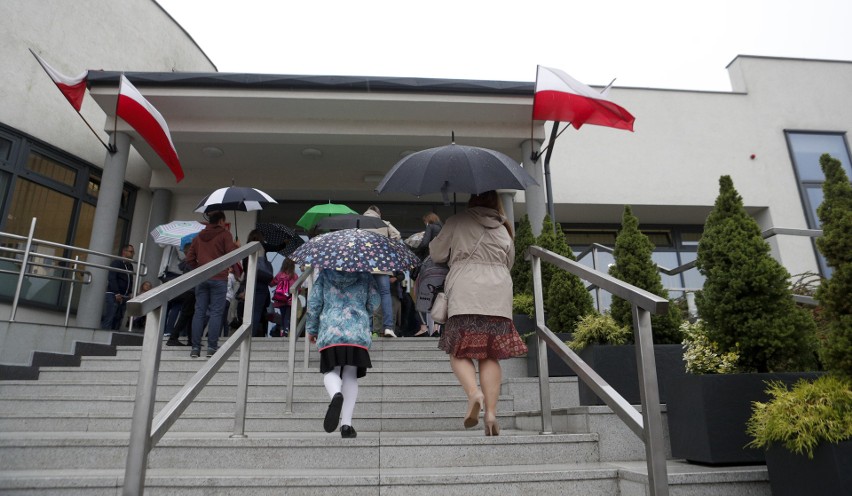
(149, 123)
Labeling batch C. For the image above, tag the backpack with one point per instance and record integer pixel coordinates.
(430, 281)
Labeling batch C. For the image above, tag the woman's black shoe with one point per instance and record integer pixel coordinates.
(332, 415)
(175, 343)
(347, 431)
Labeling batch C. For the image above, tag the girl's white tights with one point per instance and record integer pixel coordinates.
(345, 382)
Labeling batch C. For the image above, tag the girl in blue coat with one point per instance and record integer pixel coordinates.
(340, 308)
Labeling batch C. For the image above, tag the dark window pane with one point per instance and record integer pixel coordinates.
(576, 237)
(661, 239)
(692, 279)
(53, 211)
(690, 238)
(94, 185)
(5, 149)
(807, 148)
(49, 168)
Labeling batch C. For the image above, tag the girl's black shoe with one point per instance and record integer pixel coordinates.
(347, 431)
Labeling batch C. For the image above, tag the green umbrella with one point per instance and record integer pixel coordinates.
(319, 212)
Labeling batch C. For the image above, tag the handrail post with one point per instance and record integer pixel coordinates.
(136, 279)
(23, 272)
(652, 419)
(143, 406)
(597, 288)
(71, 291)
(543, 373)
(245, 357)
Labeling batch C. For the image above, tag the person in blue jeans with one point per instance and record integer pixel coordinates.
(211, 243)
(383, 279)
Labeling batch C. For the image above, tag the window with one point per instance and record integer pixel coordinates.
(805, 150)
(673, 247)
(37, 180)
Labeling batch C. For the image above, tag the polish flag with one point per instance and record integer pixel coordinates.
(147, 121)
(74, 88)
(559, 97)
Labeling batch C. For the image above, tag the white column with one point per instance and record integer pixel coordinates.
(103, 231)
(534, 195)
(507, 199)
(161, 206)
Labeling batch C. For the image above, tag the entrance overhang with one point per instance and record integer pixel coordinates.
(306, 137)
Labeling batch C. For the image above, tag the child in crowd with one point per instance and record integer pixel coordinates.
(338, 321)
(282, 299)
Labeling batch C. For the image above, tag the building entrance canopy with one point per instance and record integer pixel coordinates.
(307, 137)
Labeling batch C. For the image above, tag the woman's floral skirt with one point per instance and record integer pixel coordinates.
(480, 337)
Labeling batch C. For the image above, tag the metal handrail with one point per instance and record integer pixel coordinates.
(27, 253)
(648, 425)
(307, 280)
(145, 430)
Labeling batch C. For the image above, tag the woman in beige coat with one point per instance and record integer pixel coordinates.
(479, 289)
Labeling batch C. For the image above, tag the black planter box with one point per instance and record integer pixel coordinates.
(707, 415)
(828, 474)
(555, 366)
(523, 323)
(616, 364)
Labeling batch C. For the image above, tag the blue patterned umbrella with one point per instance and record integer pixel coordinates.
(355, 250)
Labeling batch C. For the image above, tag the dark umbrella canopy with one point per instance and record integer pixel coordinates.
(455, 169)
(351, 221)
(355, 250)
(234, 198)
(278, 237)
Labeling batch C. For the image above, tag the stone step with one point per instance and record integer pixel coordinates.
(552, 479)
(167, 388)
(124, 404)
(224, 422)
(192, 450)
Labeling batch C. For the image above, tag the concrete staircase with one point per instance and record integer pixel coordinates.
(67, 433)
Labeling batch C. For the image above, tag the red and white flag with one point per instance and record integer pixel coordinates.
(559, 97)
(74, 88)
(149, 123)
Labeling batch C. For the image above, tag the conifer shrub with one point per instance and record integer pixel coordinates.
(746, 302)
(634, 265)
(835, 294)
(522, 269)
(565, 296)
(598, 328)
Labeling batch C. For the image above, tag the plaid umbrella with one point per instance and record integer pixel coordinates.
(355, 250)
(171, 233)
(318, 212)
(278, 237)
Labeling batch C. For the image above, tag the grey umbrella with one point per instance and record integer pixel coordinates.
(455, 169)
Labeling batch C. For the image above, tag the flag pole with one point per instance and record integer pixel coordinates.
(75, 109)
(551, 209)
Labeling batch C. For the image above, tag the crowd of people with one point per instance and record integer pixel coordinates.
(345, 310)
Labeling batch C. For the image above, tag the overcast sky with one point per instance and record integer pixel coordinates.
(683, 44)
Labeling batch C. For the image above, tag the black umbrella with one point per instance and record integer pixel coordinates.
(455, 169)
(234, 198)
(278, 237)
(351, 221)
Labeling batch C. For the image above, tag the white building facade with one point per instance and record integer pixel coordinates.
(312, 139)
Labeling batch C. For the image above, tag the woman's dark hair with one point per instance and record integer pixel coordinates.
(255, 235)
(490, 199)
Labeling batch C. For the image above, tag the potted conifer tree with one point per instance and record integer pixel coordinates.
(616, 363)
(807, 430)
(747, 310)
(522, 304)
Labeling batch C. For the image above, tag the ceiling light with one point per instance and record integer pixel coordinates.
(311, 152)
(212, 152)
